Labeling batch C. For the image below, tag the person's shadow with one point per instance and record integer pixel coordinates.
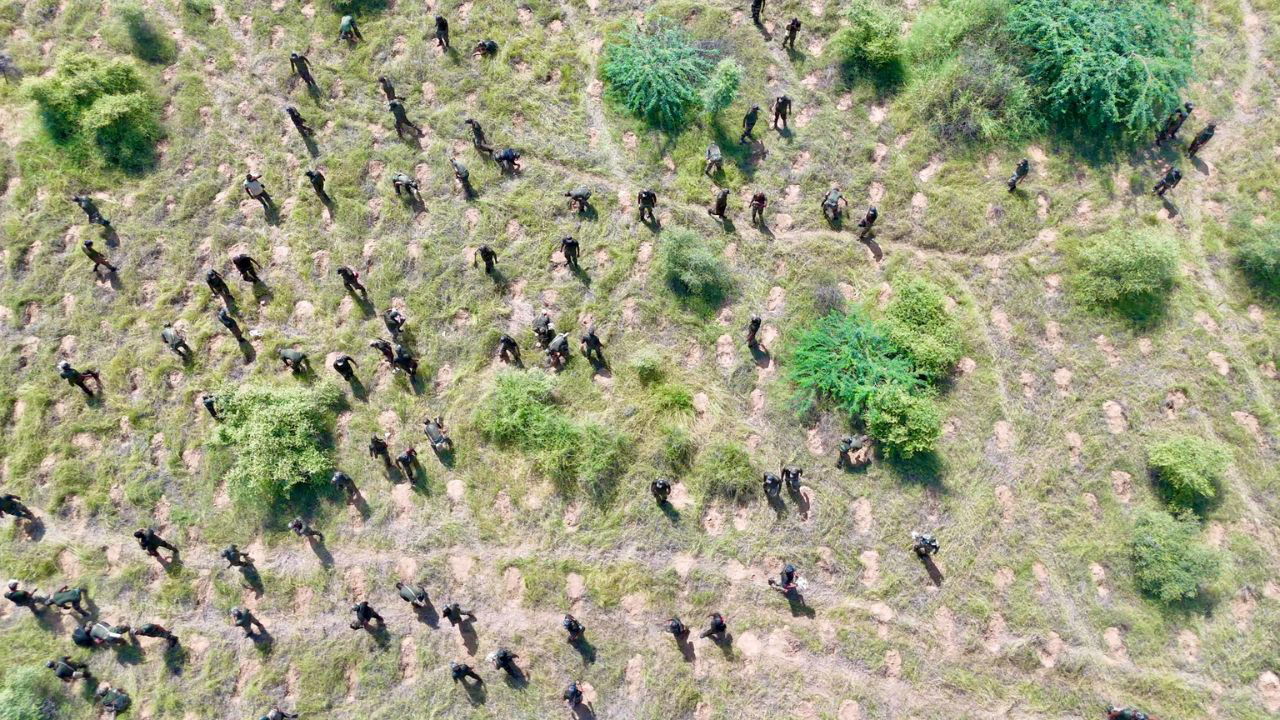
(175, 659)
(725, 643)
(358, 389)
(775, 503)
(261, 292)
(584, 711)
(252, 580)
(322, 552)
(580, 275)
(263, 641)
(802, 503)
(427, 615)
(34, 529)
(932, 568)
(476, 692)
(444, 455)
(129, 653)
(1200, 165)
(516, 679)
(765, 230)
(799, 608)
(113, 238)
(585, 649)
(869, 241)
(312, 149)
(669, 510)
(247, 351)
(686, 648)
(760, 354)
(470, 640)
(589, 212)
(1169, 207)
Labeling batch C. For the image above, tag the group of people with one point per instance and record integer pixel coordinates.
(852, 450)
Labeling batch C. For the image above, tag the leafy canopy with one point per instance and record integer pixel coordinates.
(278, 438)
(722, 87)
(870, 42)
(88, 103)
(1105, 69)
(656, 74)
(1188, 469)
(1170, 563)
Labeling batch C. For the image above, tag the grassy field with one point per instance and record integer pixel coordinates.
(1032, 492)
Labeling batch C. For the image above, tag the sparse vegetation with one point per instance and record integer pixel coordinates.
(278, 439)
(1169, 562)
(1259, 260)
(1130, 272)
(99, 108)
(1188, 469)
(656, 74)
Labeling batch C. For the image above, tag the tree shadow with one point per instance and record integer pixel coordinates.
(732, 150)
(921, 469)
(585, 649)
(930, 567)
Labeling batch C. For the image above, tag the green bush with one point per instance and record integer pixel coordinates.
(1169, 562)
(278, 438)
(678, 447)
(975, 96)
(656, 74)
(943, 29)
(903, 423)
(1259, 260)
(1129, 272)
(521, 412)
(649, 366)
(135, 33)
(723, 471)
(871, 42)
(722, 88)
(28, 694)
(847, 359)
(692, 269)
(1188, 469)
(1105, 71)
(917, 322)
(104, 104)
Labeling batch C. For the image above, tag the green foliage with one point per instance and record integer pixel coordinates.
(521, 412)
(871, 42)
(355, 7)
(692, 269)
(649, 366)
(904, 423)
(202, 9)
(656, 74)
(848, 359)
(135, 33)
(678, 447)
(104, 104)
(278, 438)
(1128, 272)
(944, 28)
(918, 323)
(975, 96)
(723, 471)
(1259, 260)
(1106, 71)
(722, 87)
(1188, 469)
(28, 694)
(1170, 563)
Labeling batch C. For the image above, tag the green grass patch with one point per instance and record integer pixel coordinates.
(723, 471)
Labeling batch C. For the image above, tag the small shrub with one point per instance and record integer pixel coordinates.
(723, 471)
(1169, 562)
(202, 9)
(28, 694)
(649, 366)
(828, 299)
(1188, 469)
(870, 43)
(104, 104)
(656, 74)
(1128, 272)
(1109, 71)
(1259, 260)
(678, 447)
(722, 88)
(942, 29)
(692, 269)
(278, 437)
(672, 397)
(903, 423)
(919, 324)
